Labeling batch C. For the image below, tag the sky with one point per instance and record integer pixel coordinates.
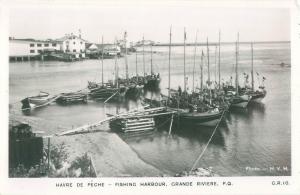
(151, 21)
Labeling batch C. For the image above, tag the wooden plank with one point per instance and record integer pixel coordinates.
(138, 127)
(142, 129)
(137, 124)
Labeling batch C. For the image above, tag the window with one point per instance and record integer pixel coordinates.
(74, 43)
(46, 44)
(67, 42)
(81, 42)
(31, 44)
(39, 45)
(39, 51)
(32, 51)
(74, 50)
(80, 50)
(54, 44)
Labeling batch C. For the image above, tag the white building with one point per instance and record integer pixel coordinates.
(72, 44)
(30, 47)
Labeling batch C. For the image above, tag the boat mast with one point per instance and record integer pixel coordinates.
(236, 66)
(184, 84)
(116, 68)
(252, 80)
(219, 62)
(136, 63)
(144, 56)
(195, 49)
(151, 66)
(102, 79)
(169, 83)
(216, 64)
(201, 71)
(126, 62)
(208, 79)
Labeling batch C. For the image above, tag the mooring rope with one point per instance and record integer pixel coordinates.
(199, 157)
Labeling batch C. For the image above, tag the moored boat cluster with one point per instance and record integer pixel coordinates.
(202, 106)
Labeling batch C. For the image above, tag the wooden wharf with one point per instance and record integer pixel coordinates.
(135, 120)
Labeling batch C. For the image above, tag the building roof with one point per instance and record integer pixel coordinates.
(33, 40)
(107, 46)
(69, 37)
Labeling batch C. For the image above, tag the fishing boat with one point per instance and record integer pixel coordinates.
(256, 95)
(208, 118)
(237, 99)
(105, 91)
(152, 81)
(70, 98)
(190, 108)
(109, 90)
(42, 99)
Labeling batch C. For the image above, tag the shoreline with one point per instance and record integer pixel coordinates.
(112, 156)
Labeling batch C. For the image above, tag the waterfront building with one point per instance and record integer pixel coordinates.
(109, 50)
(73, 44)
(26, 49)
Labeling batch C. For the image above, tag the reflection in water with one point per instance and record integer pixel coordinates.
(198, 134)
(257, 107)
(248, 114)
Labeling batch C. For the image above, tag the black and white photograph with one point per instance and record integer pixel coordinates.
(139, 90)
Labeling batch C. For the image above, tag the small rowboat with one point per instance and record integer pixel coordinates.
(40, 100)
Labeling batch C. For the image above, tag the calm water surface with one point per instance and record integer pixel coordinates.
(258, 137)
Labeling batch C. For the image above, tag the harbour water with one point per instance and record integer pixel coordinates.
(255, 141)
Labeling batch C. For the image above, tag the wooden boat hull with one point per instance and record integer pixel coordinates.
(103, 93)
(200, 119)
(70, 98)
(258, 97)
(240, 101)
(241, 104)
(31, 103)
